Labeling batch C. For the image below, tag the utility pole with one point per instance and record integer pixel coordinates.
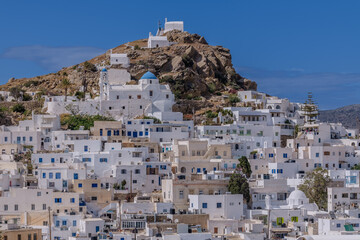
(49, 223)
(130, 184)
(268, 223)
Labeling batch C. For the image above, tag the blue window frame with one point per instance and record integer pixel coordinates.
(141, 133)
(86, 159)
(73, 234)
(204, 205)
(6, 139)
(57, 200)
(52, 160)
(76, 176)
(57, 223)
(338, 225)
(18, 139)
(317, 155)
(74, 223)
(44, 175)
(108, 133)
(79, 185)
(285, 155)
(129, 133)
(234, 165)
(40, 160)
(97, 229)
(51, 175)
(30, 139)
(103, 159)
(129, 122)
(273, 170)
(225, 166)
(72, 200)
(101, 132)
(198, 170)
(57, 175)
(218, 205)
(86, 148)
(271, 155)
(94, 185)
(64, 222)
(24, 139)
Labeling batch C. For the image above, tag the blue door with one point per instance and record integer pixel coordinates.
(134, 134)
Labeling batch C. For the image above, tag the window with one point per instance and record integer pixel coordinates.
(86, 148)
(51, 175)
(6, 207)
(6, 139)
(123, 171)
(134, 181)
(218, 205)
(101, 132)
(64, 222)
(74, 223)
(44, 175)
(30, 139)
(181, 194)
(204, 205)
(93, 198)
(16, 207)
(76, 176)
(44, 206)
(33, 207)
(271, 155)
(103, 160)
(57, 200)
(57, 175)
(40, 160)
(72, 200)
(137, 171)
(285, 155)
(317, 155)
(338, 225)
(79, 185)
(86, 159)
(52, 160)
(94, 185)
(151, 93)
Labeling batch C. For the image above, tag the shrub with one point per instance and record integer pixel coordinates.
(90, 67)
(18, 108)
(187, 60)
(80, 95)
(137, 47)
(27, 97)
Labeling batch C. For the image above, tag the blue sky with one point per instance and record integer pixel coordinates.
(287, 47)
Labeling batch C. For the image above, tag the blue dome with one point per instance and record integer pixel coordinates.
(104, 70)
(148, 75)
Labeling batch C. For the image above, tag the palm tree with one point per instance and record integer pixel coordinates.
(65, 84)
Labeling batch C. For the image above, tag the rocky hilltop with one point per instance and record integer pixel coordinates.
(347, 115)
(195, 71)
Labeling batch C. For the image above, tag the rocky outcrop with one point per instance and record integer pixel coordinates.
(193, 69)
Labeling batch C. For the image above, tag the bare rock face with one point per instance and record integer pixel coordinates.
(191, 67)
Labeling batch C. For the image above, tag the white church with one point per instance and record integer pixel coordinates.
(120, 99)
(160, 40)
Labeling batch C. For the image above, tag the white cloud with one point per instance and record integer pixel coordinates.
(52, 58)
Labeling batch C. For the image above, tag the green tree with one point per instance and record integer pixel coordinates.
(123, 183)
(244, 166)
(315, 187)
(74, 122)
(18, 108)
(16, 92)
(65, 84)
(233, 99)
(310, 109)
(238, 184)
(90, 67)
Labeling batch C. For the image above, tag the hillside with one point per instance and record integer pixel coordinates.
(346, 115)
(195, 71)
